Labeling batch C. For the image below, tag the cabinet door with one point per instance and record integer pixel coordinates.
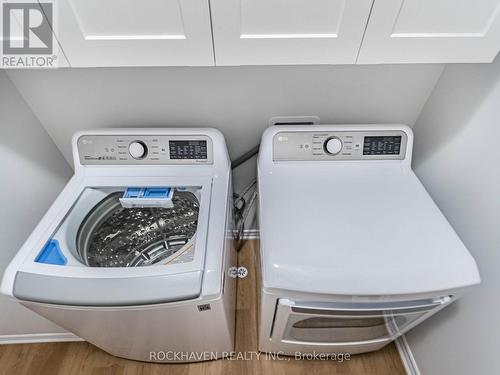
(135, 33)
(407, 31)
(259, 32)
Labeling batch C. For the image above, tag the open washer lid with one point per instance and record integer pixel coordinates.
(349, 226)
(102, 250)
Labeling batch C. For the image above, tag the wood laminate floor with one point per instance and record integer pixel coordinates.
(86, 359)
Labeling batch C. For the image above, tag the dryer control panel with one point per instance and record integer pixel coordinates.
(339, 145)
(147, 149)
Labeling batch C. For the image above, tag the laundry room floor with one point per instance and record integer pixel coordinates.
(83, 358)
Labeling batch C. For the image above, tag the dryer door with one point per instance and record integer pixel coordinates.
(331, 323)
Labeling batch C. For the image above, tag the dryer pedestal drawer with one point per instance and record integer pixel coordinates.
(333, 323)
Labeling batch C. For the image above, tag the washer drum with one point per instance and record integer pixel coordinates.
(114, 236)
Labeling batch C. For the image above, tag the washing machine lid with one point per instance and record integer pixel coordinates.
(354, 229)
(118, 241)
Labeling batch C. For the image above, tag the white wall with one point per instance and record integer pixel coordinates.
(33, 172)
(457, 157)
(237, 100)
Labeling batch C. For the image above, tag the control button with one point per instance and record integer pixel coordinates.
(333, 146)
(137, 150)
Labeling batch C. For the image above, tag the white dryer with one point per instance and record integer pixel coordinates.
(354, 251)
(133, 254)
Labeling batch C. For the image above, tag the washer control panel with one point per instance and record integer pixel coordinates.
(147, 149)
(340, 145)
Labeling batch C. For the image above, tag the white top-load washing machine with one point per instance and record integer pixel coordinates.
(132, 255)
(354, 252)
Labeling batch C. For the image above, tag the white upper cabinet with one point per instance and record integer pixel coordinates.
(260, 32)
(273, 32)
(135, 33)
(413, 31)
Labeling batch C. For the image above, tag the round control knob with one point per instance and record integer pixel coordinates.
(137, 150)
(333, 146)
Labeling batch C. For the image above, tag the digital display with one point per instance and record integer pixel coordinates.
(382, 145)
(188, 149)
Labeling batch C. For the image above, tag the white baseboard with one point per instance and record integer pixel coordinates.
(38, 338)
(251, 234)
(407, 356)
